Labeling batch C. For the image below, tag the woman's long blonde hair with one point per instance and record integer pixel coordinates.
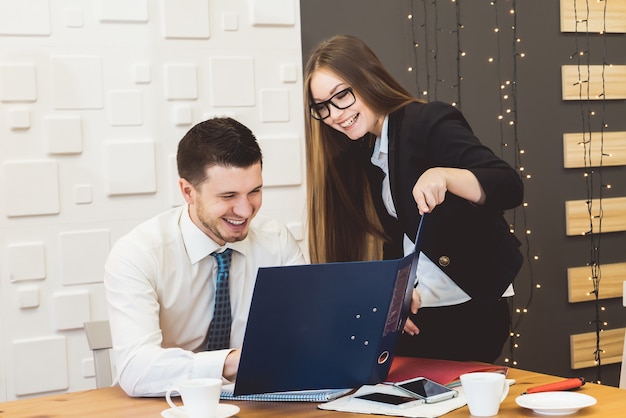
(342, 222)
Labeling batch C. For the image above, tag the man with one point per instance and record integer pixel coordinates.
(161, 278)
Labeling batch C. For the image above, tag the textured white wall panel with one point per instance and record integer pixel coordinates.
(94, 97)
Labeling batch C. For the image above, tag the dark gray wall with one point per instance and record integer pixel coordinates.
(542, 118)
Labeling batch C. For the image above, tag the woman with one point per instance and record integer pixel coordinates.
(378, 159)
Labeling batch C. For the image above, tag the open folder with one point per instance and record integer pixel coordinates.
(324, 326)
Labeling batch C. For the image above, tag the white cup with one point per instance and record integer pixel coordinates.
(484, 392)
(200, 397)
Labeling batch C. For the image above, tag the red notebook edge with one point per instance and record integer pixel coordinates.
(446, 372)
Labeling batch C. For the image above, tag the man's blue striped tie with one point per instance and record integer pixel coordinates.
(219, 330)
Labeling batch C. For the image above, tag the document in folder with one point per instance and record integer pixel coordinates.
(324, 326)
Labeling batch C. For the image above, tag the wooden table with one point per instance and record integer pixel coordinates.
(114, 403)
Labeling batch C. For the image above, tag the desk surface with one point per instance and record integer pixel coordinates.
(113, 403)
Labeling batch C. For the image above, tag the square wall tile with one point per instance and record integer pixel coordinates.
(71, 309)
(19, 118)
(77, 82)
(63, 134)
(186, 19)
(288, 73)
(272, 12)
(83, 255)
(40, 365)
(130, 167)
(30, 17)
(125, 108)
(282, 161)
(18, 83)
(37, 192)
(181, 82)
(28, 297)
(232, 81)
(74, 18)
(141, 73)
(274, 105)
(122, 10)
(26, 261)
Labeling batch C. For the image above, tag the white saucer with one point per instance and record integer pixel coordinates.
(555, 403)
(223, 411)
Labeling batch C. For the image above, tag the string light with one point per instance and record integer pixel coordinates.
(589, 175)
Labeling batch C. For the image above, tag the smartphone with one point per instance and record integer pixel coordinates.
(389, 399)
(426, 389)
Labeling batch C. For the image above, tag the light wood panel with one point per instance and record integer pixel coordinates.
(585, 83)
(613, 217)
(580, 284)
(615, 21)
(611, 144)
(583, 347)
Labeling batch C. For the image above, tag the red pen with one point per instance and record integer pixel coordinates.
(566, 384)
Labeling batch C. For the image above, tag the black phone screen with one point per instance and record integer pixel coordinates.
(386, 398)
(425, 388)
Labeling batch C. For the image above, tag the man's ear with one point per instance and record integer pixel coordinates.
(187, 190)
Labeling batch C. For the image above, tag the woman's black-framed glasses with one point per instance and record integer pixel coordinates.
(340, 100)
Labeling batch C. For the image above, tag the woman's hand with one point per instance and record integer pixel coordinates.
(431, 187)
(410, 327)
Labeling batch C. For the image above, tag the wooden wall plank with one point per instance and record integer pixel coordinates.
(613, 217)
(572, 10)
(588, 84)
(583, 347)
(611, 144)
(580, 284)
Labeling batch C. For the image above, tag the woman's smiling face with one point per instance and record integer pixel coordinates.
(354, 121)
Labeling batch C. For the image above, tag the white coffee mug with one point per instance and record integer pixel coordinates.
(200, 397)
(484, 392)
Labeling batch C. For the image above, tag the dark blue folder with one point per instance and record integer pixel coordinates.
(324, 326)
